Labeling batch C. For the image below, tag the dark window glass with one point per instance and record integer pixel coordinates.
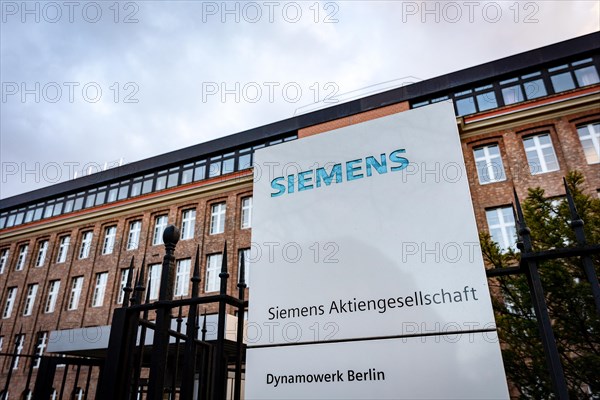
(57, 209)
(562, 82)
(465, 106)
(2, 222)
(112, 195)
(535, 89)
(100, 197)
(187, 176)
(136, 189)
(173, 179)
(586, 76)
(245, 161)
(123, 190)
(214, 169)
(78, 204)
(161, 182)
(486, 101)
(228, 165)
(200, 172)
(512, 94)
(147, 186)
(90, 200)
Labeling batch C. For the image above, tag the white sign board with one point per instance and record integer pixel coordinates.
(364, 233)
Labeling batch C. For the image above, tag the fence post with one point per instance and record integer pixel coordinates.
(541, 310)
(220, 359)
(160, 345)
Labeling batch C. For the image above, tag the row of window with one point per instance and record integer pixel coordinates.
(520, 88)
(539, 151)
(164, 179)
(181, 285)
(188, 221)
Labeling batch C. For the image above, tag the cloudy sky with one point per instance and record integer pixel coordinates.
(87, 83)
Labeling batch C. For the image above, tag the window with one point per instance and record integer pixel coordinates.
(30, 299)
(76, 286)
(187, 224)
(246, 253)
(213, 268)
(1, 342)
(22, 257)
(489, 164)
(154, 272)
(41, 256)
(217, 218)
(42, 342)
(3, 259)
(79, 394)
(19, 342)
(99, 289)
(86, 244)
(109, 240)
(576, 74)
(159, 226)
(133, 239)
(63, 249)
(540, 154)
(124, 277)
(246, 213)
(182, 277)
(589, 135)
(11, 295)
(501, 224)
(53, 289)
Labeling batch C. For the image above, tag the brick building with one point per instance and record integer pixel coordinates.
(524, 121)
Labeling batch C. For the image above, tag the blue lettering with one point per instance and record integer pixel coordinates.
(323, 176)
(304, 179)
(400, 160)
(290, 183)
(351, 169)
(277, 186)
(371, 162)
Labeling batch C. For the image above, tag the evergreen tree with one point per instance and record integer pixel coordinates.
(568, 295)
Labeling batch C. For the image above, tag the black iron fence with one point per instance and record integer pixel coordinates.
(171, 356)
(529, 265)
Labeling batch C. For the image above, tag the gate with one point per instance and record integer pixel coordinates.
(175, 355)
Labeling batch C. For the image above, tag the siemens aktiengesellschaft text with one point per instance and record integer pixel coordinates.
(382, 305)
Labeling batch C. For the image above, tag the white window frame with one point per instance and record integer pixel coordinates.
(507, 228)
(23, 249)
(188, 220)
(217, 218)
(86, 244)
(246, 214)
(537, 148)
(30, 299)
(133, 238)
(99, 289)
(593, 135)
(53, 288)
(160, 223)
(63, 249)
(19, 344)
(213, 269)
(42, 251)
(11, 296)
(3, 259)
(40, 347)
(182, 277)
(75, 294)
(110, 234)
(154, 272)
(246, 265)
(122, 284)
